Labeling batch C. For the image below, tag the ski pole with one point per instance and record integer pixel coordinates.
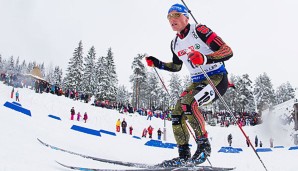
(161, 81)
(223, 101)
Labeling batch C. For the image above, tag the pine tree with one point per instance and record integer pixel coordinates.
(101, 79)
(58, 75)
(30, 67)
(89, 83)
(186, 82)
(112, 75)
(106, 78)
(284, 92)
(246, 95)
(1, 64)
(11, 65)
(24, 67)
(138, 78)
(122, 95)
(151, 90)
(42, 70)
(175, 88)
(50, 75)
(17, 66)
(263, 92)
(74, 71)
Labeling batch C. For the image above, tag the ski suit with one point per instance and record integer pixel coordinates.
(215, 50)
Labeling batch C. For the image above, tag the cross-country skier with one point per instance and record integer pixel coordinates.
(194, 45)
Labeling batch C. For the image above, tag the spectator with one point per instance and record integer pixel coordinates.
(159, 132)
(144, 134)
(271, 142)
(78, 116)
(256, 141)
(130, 130)
(261, 144)
(247, 141)
(150, 131)
(72, 113)
(230, 139)
(150, 114)
(85, 117)
(118, 123)
(17, 96)
(11, 94)
(124, 125)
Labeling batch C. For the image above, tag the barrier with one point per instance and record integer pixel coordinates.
(263, 150)
(55, 117)
(86, 130)
(136, 137)
(229, 150)
(16, 103)
(108, 132)
(293, 148)
(157, 143)
(17, 108)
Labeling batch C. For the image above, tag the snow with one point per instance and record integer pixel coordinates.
(20, 149)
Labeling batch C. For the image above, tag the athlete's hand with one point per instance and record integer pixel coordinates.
(153, 62)
(197, 58)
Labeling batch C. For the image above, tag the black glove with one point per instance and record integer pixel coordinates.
(153, 62)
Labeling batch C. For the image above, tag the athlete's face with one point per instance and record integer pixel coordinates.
(177, 21)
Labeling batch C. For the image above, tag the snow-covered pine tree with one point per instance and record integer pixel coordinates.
(138, 78)
(30, 67)
(186, 82)
(17, 66)
(74, 70)
(50, 75)
(122, 95)
(58, 75)
(42, 70)
(1, 64)
(11, 66)
(88, 83)
(264, 92)
(101, 80)
(175, 88)
(112, 75)
(284, 92)
(151, 95)
(24, 67)
(246, 98)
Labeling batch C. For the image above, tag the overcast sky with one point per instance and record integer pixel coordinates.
(262, 34)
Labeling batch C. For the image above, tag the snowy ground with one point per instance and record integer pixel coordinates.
(20, 149)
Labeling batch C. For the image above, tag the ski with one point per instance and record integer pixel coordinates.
(142, 166)
(182, 168)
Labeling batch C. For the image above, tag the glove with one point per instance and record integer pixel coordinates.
(153, 62)
(197, 58)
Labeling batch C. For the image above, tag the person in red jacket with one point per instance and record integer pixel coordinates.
(130, 130)
(85, 117)
(150, 131)
(144, 134)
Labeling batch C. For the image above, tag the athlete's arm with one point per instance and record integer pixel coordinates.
(173, 66)
(222, 51)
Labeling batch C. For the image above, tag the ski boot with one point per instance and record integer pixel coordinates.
(203, 151)
(184, 155)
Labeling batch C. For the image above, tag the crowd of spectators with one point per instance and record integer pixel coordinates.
(39, 86)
